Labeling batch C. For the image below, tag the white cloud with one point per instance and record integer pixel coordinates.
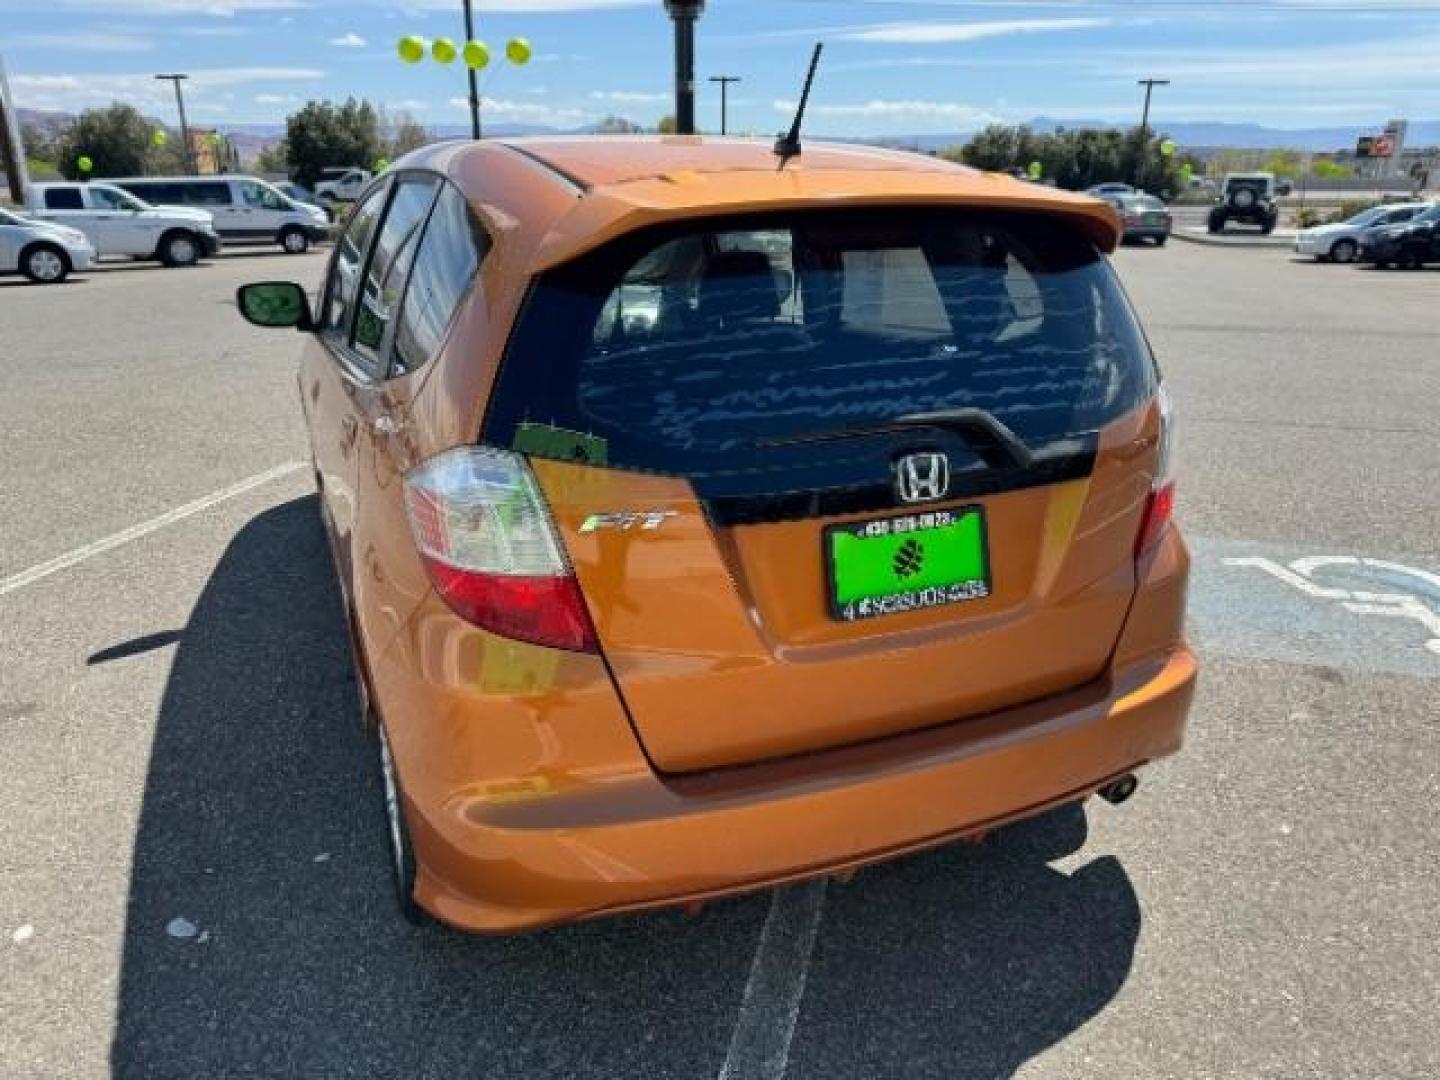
(628, 97)
(219, 8)
(82, 42)
(351, 40)
(277, 99)
(204, 89)
(881, 109)
(535, 7)
(944, 33)
(532, 111)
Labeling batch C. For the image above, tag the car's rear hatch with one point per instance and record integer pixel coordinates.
(826, 477)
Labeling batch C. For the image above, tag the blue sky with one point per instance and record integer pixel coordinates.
(891, 66)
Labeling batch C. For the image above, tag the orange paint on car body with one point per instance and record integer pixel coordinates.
(726, 731)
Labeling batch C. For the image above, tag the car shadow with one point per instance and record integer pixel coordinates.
(261, 936)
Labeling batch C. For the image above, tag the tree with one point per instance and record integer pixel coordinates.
(617, 125)
(1330, 170)
(402, 133)
(274, 158)
(116, 139)
(1075, 159)
(324, 135)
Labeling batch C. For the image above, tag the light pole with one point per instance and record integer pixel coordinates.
(724, 81)
(188, 152)
(1149, 85)
(684, 13)
(470, 74)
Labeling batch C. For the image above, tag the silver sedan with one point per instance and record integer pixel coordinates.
(42, 250)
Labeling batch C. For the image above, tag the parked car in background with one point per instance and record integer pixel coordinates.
(856, 541)
(338, 186)
(1143, 217)
(1249, 198)
(44, 251)
(1409, 245)
(118, 223)
(1110, 188)
(1340, 241)
(246, 209)
(301, 194)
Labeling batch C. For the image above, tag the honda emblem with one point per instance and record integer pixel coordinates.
(922, 477)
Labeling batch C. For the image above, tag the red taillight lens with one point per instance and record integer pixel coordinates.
(543, 610)
(1159, 508)
(1160, 505)
(484, 534)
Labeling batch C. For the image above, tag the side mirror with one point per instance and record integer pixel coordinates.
(275, 303)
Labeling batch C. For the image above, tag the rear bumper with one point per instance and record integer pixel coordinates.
(570, 847)
(1147, 232)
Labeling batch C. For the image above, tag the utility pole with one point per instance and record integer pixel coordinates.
(470, 74)
(189, 151)
(684, 13)
(724, 81)
(1149, 85)
(12, 148)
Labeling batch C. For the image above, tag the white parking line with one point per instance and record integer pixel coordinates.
(108, 543)
(760, 1043)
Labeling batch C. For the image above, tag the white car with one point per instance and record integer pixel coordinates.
(246, 209)
(1342, 241)
(118, 223)
(341, 186)
(43, 251)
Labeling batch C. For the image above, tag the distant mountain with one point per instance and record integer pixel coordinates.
(1207, 134)
(251, 138)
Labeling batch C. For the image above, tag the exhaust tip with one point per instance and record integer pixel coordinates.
(1118, 791)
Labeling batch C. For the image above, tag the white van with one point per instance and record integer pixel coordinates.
(246, 208)
(117, 223)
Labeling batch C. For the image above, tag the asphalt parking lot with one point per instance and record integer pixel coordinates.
(193, 874)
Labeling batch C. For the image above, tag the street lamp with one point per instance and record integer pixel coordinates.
(177, 79)
(684, 13)
(724, 81)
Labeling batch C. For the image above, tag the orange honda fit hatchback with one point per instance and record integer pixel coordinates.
(706, 521)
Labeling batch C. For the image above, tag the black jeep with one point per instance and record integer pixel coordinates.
(1247, 197)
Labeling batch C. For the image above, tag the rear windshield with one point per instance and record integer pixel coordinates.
(697, 350)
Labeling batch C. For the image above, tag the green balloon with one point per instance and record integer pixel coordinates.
(477, 55)
(1036, 170)
(381, 164)
(443, 50)
(158, 137)
(411, 48)
(1168, 148)
(84, 164)
(517, 51)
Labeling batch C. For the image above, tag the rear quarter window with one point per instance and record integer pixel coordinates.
(63, 199)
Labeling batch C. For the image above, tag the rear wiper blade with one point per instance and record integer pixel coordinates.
(996, 444)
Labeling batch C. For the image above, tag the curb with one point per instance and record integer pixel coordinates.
(1234, 240)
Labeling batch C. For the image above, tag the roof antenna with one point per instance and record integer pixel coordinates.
(787, 145)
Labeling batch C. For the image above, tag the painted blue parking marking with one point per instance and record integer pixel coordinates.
(1367, 611)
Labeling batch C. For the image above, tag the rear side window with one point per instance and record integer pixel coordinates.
(349, 260)
(446, 262)
(202, 194)
(63, 199)
(1400, 215)
(707, 353)
(390, 262)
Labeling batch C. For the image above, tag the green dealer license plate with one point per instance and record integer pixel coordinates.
(906, 563)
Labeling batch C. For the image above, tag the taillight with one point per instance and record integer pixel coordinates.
(484, 534)
(1160, 505)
